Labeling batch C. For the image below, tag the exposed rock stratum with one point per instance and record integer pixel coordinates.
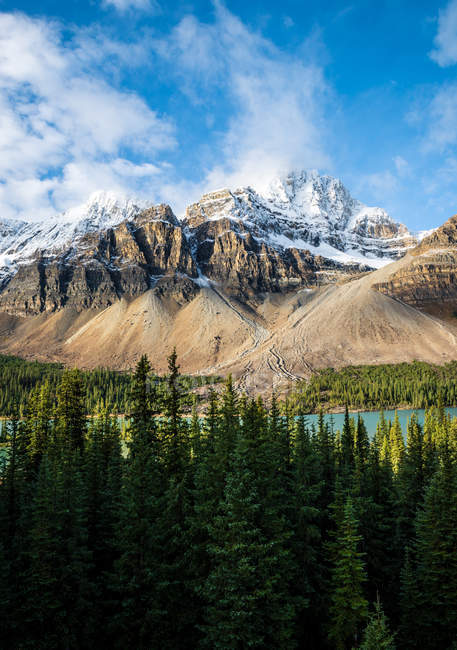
(267, 285)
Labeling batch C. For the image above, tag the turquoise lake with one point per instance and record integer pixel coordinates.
(371, 418)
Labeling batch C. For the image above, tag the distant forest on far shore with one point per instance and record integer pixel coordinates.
(408, 385)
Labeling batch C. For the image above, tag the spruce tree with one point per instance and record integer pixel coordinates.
(410, 604)
(70, 414)
(376, 504)
(396, 444)
(138, 577)
(377, 635)
(436, 556)
(348, 608)
(347, 443)
(307, 541)
(247, 588)
(38, 423)
(56, 606)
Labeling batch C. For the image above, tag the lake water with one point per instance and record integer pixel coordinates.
(371, 418)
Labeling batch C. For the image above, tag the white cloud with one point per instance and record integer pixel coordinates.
(67, 129)
(439, 116)
(380, 185)
(402, 166)
(126, 5)
(62, 126)
(276, 101)
(445, 52)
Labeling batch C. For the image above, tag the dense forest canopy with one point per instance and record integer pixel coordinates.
(243, 529)
(415, 385)
(102, 387)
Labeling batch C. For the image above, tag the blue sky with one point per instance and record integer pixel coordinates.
(168, 100)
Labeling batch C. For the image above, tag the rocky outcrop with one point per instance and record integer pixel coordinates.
(304, 231)
(428, 277)
(228, 253)
(303, 210)
(101, 267)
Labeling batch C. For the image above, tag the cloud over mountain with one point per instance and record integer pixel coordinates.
(66, 128)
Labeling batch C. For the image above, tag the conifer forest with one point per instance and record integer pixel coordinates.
(241, 527)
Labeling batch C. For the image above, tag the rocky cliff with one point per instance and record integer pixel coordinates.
(303, 231)
(101, 266)
(268, 284)
(427, 278)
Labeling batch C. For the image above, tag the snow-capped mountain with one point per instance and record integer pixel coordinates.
(267, 283)
(302, 210)
(308, 211)
(21, 240)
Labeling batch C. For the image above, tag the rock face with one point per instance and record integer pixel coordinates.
(428, 277)
(268, 285)
(304, 231)
(228, 253)
(308, 211)
(101, 266)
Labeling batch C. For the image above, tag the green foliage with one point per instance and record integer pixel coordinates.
(348, 608)
(377, 635)
(239, 529)
(436, 557)
(102, 387)
(416, 385)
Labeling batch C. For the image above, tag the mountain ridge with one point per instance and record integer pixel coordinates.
(328, 207)
(267, 288)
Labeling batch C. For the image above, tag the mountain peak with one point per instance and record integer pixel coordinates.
(307, 210)
(103, 209)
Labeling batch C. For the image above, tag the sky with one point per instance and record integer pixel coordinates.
(167, 100)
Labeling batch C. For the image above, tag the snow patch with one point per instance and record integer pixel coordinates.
(352, 256)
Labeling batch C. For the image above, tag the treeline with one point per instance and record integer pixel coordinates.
(244, 529)
(102, 387)
(415, 385)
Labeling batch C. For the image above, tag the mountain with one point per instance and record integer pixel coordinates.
(91, 256)
(268, 284)
(307, 211)
(305, 230)
(20, 240)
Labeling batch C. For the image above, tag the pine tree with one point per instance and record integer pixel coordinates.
(138, 575)
(144, 399)
(14, 505)
(56, 606)
(376, 505)
(361, 444)
(207, 493)
(377, 635)
(411, 484)
(396, 444)
(177, 510)
(246, 590)
(38, 423)
(70, 415)
(410, 604)
(102, 482)
(347, 444)
(382, 431)
(348, 608)
(436, 555)
(229, 425)
(326, 451)
(307, 542)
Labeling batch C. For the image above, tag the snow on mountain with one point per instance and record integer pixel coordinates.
(20, 240)
(300, 210)
(309, 211)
